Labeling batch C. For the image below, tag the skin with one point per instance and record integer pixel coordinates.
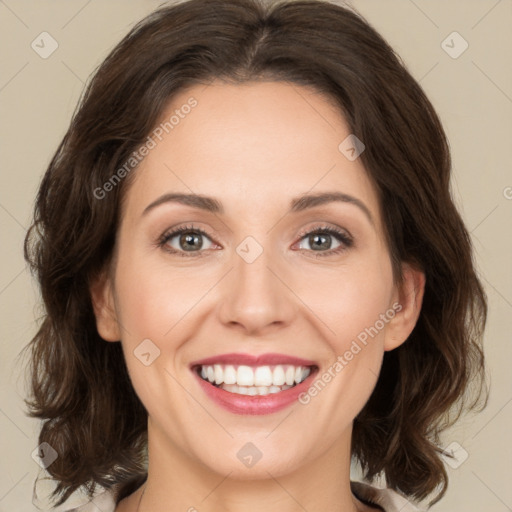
(253, 147)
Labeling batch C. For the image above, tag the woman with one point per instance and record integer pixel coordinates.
(253, 272)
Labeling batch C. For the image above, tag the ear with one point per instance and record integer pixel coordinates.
(102, 297)
(407, 303)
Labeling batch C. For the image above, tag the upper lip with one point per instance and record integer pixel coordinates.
(253, 360)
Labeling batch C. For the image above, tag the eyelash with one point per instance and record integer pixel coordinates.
(342, 237)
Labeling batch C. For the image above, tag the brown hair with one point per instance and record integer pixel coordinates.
(80, 385)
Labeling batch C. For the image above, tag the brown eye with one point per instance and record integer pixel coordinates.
(318, 241)
(185, 239)
(321, 241)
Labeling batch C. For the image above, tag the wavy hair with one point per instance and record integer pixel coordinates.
(80, 386)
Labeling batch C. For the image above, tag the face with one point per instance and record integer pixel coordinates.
(262, 283)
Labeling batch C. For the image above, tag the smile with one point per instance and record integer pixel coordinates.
(260, 380)
(254, 384)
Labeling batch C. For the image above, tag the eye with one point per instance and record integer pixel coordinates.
(186, 239)
(189, 241)
(320, 240)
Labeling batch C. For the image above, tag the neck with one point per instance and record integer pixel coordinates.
(178, 482)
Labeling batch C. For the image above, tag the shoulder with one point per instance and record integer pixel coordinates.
(387, 499)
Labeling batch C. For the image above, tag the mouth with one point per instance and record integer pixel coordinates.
(248, 385)
(253, 381)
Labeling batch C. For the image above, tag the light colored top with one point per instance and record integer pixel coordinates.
(103, 499)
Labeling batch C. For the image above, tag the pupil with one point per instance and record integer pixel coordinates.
(189, 239)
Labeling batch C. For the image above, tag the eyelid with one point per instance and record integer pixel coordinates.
(344, 238)
(323, 226)
(177, 230)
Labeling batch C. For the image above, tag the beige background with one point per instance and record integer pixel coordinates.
(472, 93)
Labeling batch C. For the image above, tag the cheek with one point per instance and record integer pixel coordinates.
(349, 300)
(350, 307)
(162, 306)
(354, 302)
(153, 300)
(151, 306)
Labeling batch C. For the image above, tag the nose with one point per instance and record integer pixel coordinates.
(256, 298)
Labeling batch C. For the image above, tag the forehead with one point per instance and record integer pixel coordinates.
(249, 145)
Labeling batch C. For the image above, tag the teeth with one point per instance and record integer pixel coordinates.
(290, 375)
(245, 376)
(263, 376)
(229, 375)
(278, 376)
(219, 376)
(269, 379)
(253, 390)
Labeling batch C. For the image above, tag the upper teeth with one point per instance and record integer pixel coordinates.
(255, 376)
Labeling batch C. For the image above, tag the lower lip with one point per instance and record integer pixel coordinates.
(256, 404)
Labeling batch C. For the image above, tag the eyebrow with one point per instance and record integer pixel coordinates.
(297, 204)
